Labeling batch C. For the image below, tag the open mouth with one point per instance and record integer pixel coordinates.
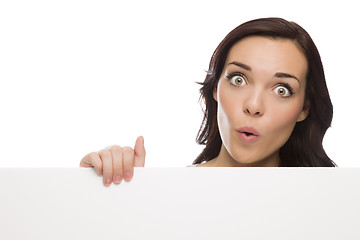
(248, 134)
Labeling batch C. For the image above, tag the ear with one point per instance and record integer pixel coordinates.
(305, 112)
(215, 93)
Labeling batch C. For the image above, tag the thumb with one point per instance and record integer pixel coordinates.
(140, 153)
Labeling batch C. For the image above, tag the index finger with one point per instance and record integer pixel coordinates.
(139, 149)
(92, 160)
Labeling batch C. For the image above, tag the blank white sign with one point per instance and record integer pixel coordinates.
(181, 203)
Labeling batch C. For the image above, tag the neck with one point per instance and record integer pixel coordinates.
(224, 159)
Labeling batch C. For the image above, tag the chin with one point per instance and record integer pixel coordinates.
(250, 158)
(246, 159)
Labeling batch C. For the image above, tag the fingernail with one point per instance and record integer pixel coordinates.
(118, 179)
(127, 176)
(108, 181)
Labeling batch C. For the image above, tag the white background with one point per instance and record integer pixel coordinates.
(77, 76)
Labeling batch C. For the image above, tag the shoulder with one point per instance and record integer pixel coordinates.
(200, 165)
(203, 164)
(192, 165)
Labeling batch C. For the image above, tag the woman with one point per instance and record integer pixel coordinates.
(267, 104)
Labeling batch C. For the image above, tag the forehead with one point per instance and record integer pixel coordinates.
(270, 55)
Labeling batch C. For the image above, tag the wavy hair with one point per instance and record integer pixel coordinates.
(304, 147)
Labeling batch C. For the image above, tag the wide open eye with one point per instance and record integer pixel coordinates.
(237, 79)
(282, 91)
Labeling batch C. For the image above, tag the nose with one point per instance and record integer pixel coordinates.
(253, 104)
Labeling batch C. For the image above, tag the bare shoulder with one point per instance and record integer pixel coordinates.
(206, 164)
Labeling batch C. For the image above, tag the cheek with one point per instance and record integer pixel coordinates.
(225, 107)
(228, 110)
(283, 117)
(279, 124)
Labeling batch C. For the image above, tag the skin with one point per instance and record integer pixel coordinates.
(116, 163)
(257, 100)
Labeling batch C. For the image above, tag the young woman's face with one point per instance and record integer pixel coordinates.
(260, 96)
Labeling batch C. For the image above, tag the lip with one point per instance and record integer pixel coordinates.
(251, 138)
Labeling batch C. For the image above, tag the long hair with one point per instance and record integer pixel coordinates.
(304, 147)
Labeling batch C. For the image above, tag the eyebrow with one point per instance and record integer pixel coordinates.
(239, 64)
(286, 75)
(278, 74)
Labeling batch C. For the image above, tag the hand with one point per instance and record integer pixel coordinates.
(116, 163)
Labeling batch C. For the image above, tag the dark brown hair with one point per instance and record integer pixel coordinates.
(304, 147)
